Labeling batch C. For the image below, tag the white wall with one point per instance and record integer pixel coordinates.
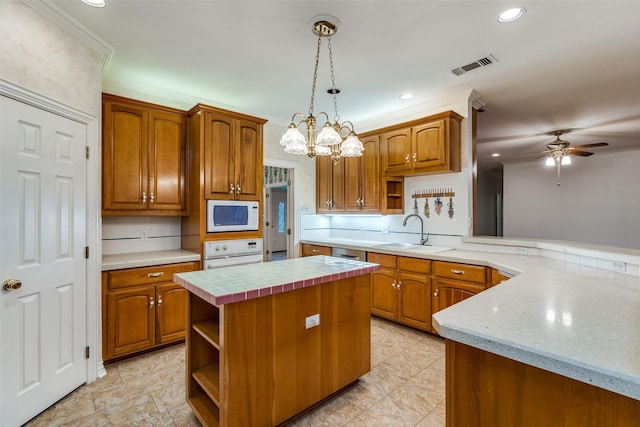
(44, 58)
(598, 200)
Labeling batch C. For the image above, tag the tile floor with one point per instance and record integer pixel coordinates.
(405, 387)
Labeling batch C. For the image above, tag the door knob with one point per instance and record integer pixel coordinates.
(11, 284)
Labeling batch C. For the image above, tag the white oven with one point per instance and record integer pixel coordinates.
(232, 215)
(222, 253)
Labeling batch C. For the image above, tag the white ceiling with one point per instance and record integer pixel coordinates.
(571, 65)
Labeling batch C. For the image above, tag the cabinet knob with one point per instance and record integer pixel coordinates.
(415, 157)
(232, 189)
(153, 198)
(362, 201)
(398, 285)
(159, 301)
(393, 285)
(435, 294)
(144, 196)
(406, 158)
(238, 189)
(315, 251)
(151, 302)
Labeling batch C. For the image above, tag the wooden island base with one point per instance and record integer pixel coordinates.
(487, 390)
(255, 363)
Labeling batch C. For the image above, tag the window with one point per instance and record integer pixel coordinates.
(281, 217)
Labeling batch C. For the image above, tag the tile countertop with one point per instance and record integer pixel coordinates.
(242, 282)
(577, 321)
(147, 259)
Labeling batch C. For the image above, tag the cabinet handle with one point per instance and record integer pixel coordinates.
(415, 157)
(238, 189)
(393, 285)
(232, 189)
(315, 251)
(159, 300)
(406, 158)
(454, 271)
(151, 302)
(158, 274)
(153, 198)
(435, 294)
(144, 196)
(362, 201)
(398, 286)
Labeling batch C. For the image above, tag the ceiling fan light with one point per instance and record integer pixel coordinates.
(549, 161)
(566, 160)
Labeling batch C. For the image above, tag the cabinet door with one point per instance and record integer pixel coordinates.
(167, 162)
(130, 320)
(353, 183)
(449, 292)
(124, 158)
(219, 157)
(429, 145)
(329, 185)
(312, 250)
(414, 300)
(171, 312)
(248, 160)
(362, 178)
(384, 298)
(396, 151)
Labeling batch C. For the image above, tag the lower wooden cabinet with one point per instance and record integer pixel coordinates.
(401, 290)
(142, 308)
(454, 282)
(311, 250)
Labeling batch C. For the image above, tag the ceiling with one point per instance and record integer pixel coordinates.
(570, 65)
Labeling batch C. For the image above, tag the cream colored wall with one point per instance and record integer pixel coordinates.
(40, 56)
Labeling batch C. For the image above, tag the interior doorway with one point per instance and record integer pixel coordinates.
(278, 199)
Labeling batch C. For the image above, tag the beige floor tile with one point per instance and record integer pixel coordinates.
(70, 408)
(435, 418)
(183, 416)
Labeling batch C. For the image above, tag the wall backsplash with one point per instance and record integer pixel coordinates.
(127, 234)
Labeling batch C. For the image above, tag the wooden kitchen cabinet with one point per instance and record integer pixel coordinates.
(401, 290)
(362, 178)
(143, 308)
(425, 146)
(329, 185)
(454, 282)
(143, 159)
(232, 157)
(312, 250)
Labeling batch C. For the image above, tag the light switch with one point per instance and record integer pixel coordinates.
(312, 321)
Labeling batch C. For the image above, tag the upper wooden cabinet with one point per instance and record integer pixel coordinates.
(233, 157)
(143, 159)
(329, 185)
(428, 145)
(362, 178)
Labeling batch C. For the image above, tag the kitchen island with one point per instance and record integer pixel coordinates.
(266, 342)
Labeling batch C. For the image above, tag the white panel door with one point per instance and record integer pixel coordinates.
(43, 225)
(278, 221)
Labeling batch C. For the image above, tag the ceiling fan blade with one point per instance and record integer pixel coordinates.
(597, 144)
(580, 153)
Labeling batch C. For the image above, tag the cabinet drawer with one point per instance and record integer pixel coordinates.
(416, 265)
(147, 275)
(466, 272)
(388, 261)
(311, 250)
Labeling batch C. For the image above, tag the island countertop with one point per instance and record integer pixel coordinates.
(237, 283)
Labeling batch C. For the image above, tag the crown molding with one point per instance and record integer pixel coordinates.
(82, 33)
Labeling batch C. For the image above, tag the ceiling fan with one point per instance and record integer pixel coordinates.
(558, 151)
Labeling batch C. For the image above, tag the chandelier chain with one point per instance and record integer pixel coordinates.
(333, 83)
(315, 77)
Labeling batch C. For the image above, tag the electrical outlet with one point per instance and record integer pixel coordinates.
(385, 229)
(312, 321)
(144, 234)
(521, 250)
(619, 266)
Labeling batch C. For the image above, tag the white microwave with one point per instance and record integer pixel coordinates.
(232, 215)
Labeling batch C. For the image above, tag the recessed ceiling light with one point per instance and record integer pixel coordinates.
(406, 96)
(95, 3)
(511, 15)
(495, 155)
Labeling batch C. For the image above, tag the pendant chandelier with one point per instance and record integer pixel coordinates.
(328, 141)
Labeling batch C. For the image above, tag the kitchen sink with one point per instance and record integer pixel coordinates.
(413, 246)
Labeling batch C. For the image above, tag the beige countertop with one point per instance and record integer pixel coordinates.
(147, 259)
(566, 310)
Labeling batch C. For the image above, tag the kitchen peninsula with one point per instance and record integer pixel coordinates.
(267, 341)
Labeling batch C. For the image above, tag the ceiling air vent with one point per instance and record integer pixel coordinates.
(482, 62)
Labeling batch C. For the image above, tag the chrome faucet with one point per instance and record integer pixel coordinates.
(422, 239)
